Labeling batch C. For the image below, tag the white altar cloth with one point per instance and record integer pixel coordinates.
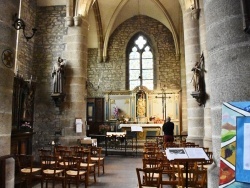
(141, 125)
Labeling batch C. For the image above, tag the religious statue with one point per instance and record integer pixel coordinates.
(141, 105)
(198, 80)
(197, 75)
(58, 76)
(28, 101)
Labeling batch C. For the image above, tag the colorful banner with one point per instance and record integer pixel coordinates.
(233, 173)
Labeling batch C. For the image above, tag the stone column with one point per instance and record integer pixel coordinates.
(76, 55)
(207, 141)
(8, 44)
(228, 57)
(192, 53)
(69, 13)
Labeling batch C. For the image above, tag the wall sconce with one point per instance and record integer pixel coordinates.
(19, 24)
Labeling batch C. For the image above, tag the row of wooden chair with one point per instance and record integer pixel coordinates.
(172, 173)
(62, 165)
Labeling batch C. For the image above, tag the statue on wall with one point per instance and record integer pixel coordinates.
(28, 101)
(58, 76)
(198, 80)
(197, 74)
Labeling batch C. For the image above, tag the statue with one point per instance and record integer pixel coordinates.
(197, 75)
(58, 76)
(141, 104)
(198, 80)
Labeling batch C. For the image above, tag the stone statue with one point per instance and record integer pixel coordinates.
(58, 76)
(141, 105)
(197, 75)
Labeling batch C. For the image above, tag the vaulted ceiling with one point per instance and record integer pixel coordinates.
(112, 13)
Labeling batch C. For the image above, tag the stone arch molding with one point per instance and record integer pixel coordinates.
(83, 7)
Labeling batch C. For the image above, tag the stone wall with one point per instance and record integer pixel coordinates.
(49, 46)
(114, 70)
(26, 48)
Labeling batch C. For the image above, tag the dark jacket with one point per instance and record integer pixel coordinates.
(168, 128)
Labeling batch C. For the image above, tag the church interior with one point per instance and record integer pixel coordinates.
(73, 70)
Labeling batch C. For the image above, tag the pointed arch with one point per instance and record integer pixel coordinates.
(114, 16)
(99, 30)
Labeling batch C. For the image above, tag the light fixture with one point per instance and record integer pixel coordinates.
(19, 24)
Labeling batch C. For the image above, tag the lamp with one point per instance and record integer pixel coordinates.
(19, 24)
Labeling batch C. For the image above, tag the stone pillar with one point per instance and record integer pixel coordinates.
(207, 141)
(228, 59)
(192, 53)
(76, 55)
(8, 45)
(69, 13)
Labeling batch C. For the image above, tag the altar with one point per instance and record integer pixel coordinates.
(147, 130)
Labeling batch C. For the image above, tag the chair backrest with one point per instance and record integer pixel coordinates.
(149, 177)
(152, 163)
(152, 154)
(84, 155)
(49, 162)
(63, 153)
(150, 144)
(151, 148)
(75, 149)
(95, 151)
(70, 162)
(24, 161)
(43, 151)
(170, 169)
(194, 176)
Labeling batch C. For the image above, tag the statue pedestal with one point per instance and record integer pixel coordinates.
(58, 98)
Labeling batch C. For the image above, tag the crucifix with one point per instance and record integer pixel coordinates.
(164, 103)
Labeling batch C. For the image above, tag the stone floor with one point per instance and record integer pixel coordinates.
(119, 173)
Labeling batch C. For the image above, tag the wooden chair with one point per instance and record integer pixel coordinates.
(64, 153)
(153, 149)
(73, 173)
(147, 177)
(86, 163)
(58, 148)
(151, 154)
(152, 163)
(194, 176)
(26, 169)
(43, 151)
(75, 149)
(169, 173)
(150, 144)
(51, 171)
(97, 158)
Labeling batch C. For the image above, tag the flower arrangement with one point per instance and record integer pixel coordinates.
(104, 128)
(116, 112)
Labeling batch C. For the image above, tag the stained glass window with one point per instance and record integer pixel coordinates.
(141, 69)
